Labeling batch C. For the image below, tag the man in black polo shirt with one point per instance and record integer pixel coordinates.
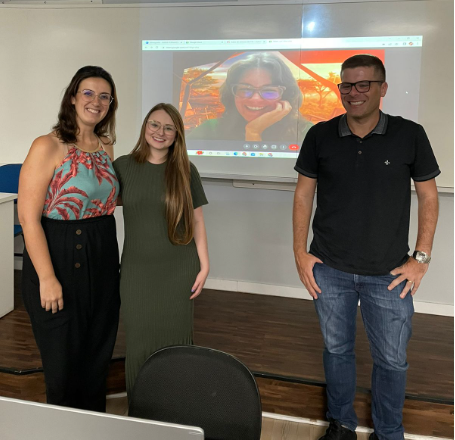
(362, 163)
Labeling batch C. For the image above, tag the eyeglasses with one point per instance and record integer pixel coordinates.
(360, 86)
(168, 130)
(90, 95)
(270, 93)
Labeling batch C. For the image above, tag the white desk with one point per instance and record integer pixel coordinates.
(6, 253)
(20, 420)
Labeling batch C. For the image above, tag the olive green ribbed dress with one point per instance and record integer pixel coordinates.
(156, 276)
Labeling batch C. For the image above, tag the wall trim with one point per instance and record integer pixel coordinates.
(301, 293)
(362, 429)
(292, 292)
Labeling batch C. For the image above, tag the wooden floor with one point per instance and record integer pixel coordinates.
(280, 341)
(281, 337)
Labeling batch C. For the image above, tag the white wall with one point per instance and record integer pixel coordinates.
(250, 245)
(249, 230)
(250, 241)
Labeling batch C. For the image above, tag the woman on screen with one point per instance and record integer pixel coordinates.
(70, 276)
(165, 259)
(261, 100)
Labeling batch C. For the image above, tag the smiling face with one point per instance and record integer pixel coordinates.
(363, 106)
(91, 113)
(252, 108)
(159, 140)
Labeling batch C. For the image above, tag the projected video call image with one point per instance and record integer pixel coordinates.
(261, 103)
(248, 97)
(262, 96)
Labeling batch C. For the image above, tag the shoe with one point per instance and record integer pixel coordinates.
(337, 432)
(373, 436)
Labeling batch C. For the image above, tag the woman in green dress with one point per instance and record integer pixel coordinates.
(165, 258)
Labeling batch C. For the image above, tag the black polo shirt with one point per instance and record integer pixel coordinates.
(361, 223)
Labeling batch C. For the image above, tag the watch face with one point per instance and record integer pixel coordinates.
(421, 257)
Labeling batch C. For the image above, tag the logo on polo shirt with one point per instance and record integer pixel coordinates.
(387, 162)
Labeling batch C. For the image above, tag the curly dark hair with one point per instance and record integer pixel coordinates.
(279, 71)
(286, 129)
(66, 128)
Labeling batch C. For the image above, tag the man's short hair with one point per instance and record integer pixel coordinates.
(364, 61)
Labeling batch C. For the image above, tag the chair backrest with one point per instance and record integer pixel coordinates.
(202, 387)
(9, 177)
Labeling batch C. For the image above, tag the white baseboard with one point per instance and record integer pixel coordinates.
(116, 396)
(324, 423)
(292, 292)
(433, 308)
(301, 293)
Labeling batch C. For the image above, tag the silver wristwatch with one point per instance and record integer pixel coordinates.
(421, 257)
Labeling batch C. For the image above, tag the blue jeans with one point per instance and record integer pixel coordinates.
(387, 321)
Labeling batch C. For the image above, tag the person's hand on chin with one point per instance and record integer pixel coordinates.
(254, 128)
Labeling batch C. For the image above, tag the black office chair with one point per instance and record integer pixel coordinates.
(202, 387)
(9, 183)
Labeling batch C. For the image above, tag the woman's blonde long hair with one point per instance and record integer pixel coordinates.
(178, 200)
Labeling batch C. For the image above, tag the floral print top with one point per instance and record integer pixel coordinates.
(83, 186)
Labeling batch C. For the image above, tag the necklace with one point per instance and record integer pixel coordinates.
(99, 147)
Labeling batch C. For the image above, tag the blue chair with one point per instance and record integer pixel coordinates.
(9, 183)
